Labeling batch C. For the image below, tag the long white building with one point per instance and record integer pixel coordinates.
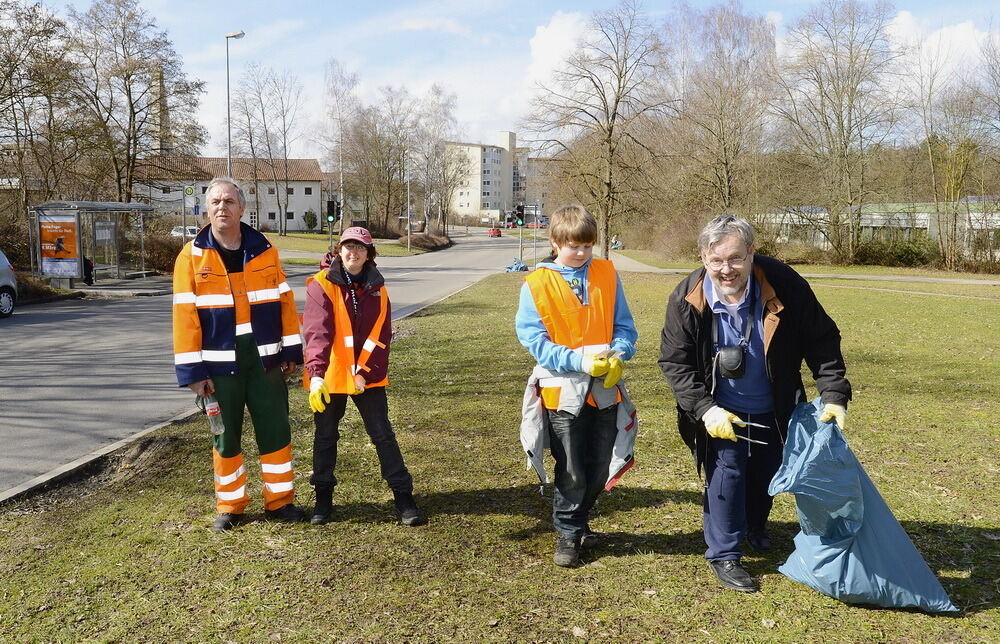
(299, 187)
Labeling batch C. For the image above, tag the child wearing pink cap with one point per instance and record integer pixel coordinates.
(347, 328)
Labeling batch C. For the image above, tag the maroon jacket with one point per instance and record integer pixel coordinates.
(317, 319)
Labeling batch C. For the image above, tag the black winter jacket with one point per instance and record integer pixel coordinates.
(796, 328)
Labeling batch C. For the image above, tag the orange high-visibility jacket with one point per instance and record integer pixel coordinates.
(345, 362)
(205, 316)
(585, 329)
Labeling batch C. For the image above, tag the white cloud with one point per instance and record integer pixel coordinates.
(954, 47)
(552, 44)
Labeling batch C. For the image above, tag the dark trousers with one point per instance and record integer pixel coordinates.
(264, 393)
(582, 446)
(737, 475)
(374, 409)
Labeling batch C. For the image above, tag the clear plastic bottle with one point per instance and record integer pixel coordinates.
(214, 413)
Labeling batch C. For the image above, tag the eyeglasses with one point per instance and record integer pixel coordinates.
(354, 247)
(732, 262)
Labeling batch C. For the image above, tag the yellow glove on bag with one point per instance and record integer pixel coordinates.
(833, 411)
(595, 367)
(319, 395)
(719, 423)
(615, 368)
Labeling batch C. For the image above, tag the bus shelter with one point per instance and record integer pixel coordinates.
(86, 239)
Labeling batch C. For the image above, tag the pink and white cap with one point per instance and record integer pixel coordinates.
(359, 234)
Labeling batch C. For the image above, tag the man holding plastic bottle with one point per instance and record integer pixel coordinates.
(236, 334)
(735, 335)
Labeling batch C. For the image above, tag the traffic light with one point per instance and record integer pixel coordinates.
(519, 210)
(332, 211)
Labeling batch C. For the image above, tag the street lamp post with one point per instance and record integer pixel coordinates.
(229, 130)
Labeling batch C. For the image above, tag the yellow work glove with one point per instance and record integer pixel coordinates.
(359, 384)
(719, 423)
(833, 411)
(595, 367)
(319, 395)
(615, 368)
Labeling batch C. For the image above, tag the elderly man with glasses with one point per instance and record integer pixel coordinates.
(735, 335)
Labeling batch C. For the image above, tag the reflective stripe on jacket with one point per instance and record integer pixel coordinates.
(345, 360)
(586, 329)
(204, 309)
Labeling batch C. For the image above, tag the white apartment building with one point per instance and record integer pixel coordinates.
(493, 178)
(162, 181)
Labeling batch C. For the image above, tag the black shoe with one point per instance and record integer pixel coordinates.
(288, 513)
(589, 540)
(323, 512)
(732, 576)
(759, 541)
(226, 521)
(567, 552)
(406, 509)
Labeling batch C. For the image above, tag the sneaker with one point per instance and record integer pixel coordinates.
(406, 509)
(567, 552)
(226, 521)
(759, 541)
(732, 575)
(288, 513)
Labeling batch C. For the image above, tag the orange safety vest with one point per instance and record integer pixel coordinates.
(340, 373)
(586, 329)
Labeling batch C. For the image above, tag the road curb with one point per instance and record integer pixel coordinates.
(75, 295)
(69, 469)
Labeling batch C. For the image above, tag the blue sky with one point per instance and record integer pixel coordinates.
(487, 52)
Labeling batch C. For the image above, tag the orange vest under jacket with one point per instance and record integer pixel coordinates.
(585, 328)
(340, 373)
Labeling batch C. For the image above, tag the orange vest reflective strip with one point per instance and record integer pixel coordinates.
(279, 478)
(230, 483)
(339, 374)
(583, 328)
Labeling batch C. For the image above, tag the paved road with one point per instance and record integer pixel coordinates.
(77, 376)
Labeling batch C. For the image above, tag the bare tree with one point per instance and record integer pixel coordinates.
(435, 165)
(725, 90)
(268, 105)
(341, 107)
(591, 116)
(129, 81)
(837, 100)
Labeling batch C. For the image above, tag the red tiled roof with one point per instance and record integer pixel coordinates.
(206, 168)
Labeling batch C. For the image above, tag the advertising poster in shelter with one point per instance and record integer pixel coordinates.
(59, 237)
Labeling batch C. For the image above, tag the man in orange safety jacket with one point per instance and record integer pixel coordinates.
(236, 334)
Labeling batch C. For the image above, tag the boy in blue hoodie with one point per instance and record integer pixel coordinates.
(574, 320)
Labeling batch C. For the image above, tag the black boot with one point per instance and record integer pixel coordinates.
(323, 512)
(407, 510)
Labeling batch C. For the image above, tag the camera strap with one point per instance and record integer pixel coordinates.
(747, 324)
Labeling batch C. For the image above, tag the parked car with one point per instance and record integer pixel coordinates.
(178, 231)
(8, 287)
(494, 232)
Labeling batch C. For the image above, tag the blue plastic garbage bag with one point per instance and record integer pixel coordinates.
(850, 547)
(516, 266)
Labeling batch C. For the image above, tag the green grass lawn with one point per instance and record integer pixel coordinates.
(127, 552)
(653, 258)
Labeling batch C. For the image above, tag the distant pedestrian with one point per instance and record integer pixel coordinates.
(347, 325)
(574, 321)
(735, 335)
(236, 333)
